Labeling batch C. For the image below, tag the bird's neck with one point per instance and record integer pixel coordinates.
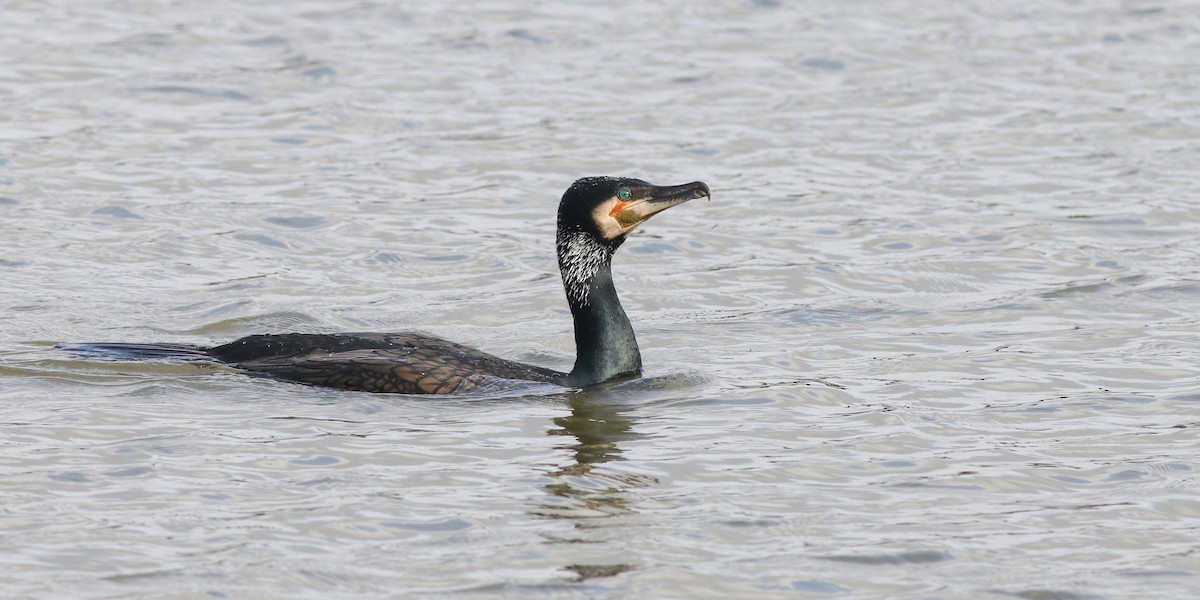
(604, 342)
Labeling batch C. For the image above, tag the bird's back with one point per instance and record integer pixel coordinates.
(406, 363)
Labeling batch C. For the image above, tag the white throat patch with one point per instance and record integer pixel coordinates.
(610, 228)
(580, 257)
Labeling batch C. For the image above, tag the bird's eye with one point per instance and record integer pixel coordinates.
(624, 194)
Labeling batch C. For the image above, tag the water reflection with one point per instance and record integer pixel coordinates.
(591, 434)
(597, 427)
(579, 491)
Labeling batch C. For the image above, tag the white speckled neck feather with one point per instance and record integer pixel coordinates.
(580, 256)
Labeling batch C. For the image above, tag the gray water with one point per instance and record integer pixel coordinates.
(935, 336)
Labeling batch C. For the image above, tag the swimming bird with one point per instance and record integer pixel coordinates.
(595, 216)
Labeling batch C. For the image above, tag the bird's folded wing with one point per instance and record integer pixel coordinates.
(394, 370)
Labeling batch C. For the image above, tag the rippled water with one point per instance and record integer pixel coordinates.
(935, 336)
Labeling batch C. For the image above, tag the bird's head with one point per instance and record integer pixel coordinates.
(610, 208)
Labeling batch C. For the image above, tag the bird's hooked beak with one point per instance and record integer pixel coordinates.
(657, 199)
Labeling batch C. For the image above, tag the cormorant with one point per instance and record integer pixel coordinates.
(595, 216)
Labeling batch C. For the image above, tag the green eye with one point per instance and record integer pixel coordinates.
(624, 194)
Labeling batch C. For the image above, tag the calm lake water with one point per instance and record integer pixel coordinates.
(935, 336)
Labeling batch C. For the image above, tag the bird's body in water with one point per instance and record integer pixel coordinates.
(595, 216)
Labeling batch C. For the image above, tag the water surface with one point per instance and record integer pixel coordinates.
(935, 336)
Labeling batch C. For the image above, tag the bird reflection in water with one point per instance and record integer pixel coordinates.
(581, 492)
